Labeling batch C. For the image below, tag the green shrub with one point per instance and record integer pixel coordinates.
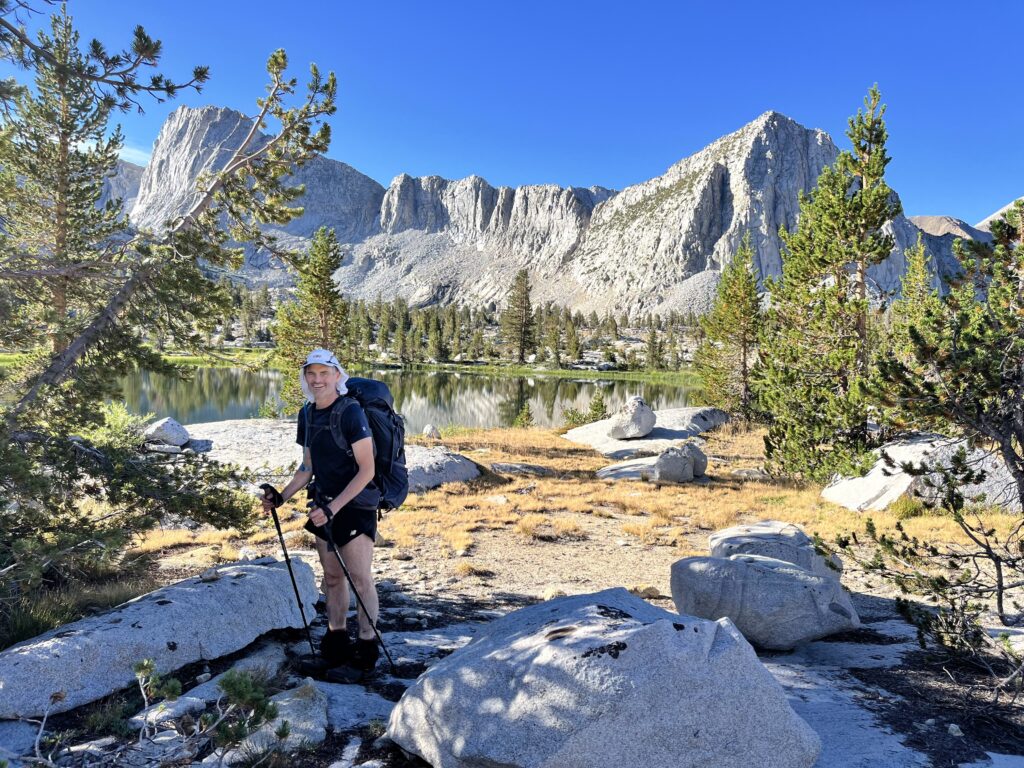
(595, 412)
(524, 418)
(906, 507)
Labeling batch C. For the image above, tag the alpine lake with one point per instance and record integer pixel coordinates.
(441, 398)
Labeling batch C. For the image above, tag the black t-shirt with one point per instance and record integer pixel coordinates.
(333, 467)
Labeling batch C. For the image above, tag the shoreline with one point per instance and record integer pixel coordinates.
(248, 357)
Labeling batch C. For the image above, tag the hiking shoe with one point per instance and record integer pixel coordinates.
(364, 655)
(336, 647)
(311, 666)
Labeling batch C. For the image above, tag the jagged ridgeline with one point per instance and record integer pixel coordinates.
(653, 247)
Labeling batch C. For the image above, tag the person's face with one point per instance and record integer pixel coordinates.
(321, 379)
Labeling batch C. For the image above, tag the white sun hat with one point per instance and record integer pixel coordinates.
(322, 357)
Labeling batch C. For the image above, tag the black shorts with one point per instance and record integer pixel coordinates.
(347, 524)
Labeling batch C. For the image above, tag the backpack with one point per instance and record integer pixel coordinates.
(388, 429)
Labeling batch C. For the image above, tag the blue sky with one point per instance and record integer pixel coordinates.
(613, 93)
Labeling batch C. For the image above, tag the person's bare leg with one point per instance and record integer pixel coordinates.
(336, 586)
(358, 556)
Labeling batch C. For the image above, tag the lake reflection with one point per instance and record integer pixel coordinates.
(471, 400)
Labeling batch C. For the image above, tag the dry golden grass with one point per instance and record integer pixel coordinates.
(546, 528)
(536, 446)
(270, 533)
(646, 531)
(217, 536)
(670, 513)
(302, 540)
(227, 554)
(567, 528)
(458, 540)
(159, 540)
(464, 569)
(530, 526)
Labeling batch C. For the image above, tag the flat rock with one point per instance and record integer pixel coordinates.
(185, 622)
(432, 466)
(166, 431)
(518, 468)
(674, 425)
(596, 681)
(269, 445)
(250, 443)
(17, 737)
(636, 469)
(883, 485)
(751, 473)
(352, 706)
(162, 448)
(163, 711)
(775, 604)
(772, 538)
(631, 469)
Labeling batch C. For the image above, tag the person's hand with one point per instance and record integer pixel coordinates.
(271, 498)
(318, 517)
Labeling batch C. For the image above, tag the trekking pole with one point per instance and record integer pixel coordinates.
(271, 494)
(322, 502)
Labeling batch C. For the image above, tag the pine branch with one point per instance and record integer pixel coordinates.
(114, 77)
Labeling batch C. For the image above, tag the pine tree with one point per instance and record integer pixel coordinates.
(672, 343)
(476, 345)
(437, 349)
(456, 337)
(55, 154)
(318, 315)
(918, 300)
(818, 349)
(398, 347)
(654, 358)
(966, 378)
(517, 321)
(414, 343)
(726, 356)
(572, 341)
(553, 338)
(365, 337)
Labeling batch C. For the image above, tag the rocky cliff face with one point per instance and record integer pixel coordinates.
(194, 142)
(655, 246)
(463, 240)
(123, 185)
(662, 243)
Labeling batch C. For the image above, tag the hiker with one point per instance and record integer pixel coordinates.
(347, 479)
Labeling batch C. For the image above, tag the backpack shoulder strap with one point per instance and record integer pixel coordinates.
(338, 409)
(307, 411)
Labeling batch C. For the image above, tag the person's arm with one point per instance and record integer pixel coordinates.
(362, 450)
